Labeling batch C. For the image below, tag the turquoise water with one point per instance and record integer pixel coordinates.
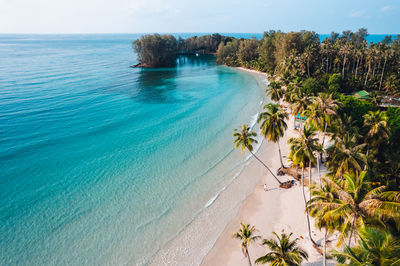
(102, 164)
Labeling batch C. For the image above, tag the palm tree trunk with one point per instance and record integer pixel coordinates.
(248, 256)
(327, 64)
(319, 172)
(355, 74)
(323, 137)
(280, 154)
(302, 178)
(324, 251)
(309, 178)
(366, 156)
(373, 71)
(308, 218)
(379, 66)
(344, 63)
(366, 77)
(280, 183)
(383, 71)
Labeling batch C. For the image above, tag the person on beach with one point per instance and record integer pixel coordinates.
(265, 187)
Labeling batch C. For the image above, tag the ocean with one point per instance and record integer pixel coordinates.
(103, 164)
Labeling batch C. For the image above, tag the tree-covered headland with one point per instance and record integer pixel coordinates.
(162, 50)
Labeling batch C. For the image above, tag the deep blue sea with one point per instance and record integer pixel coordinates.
(103, 164)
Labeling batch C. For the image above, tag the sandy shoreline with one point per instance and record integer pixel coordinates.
(275, 210)
(193, 243)
(244, 200)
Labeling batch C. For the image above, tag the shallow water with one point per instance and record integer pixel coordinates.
(102, 164)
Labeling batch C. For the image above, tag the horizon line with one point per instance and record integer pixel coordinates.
(195, 32)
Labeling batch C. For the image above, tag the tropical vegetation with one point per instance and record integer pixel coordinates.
(246, 236)
(244, 138)
(359, 197)
(283, 251)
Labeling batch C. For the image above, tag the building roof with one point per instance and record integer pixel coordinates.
(361, 95)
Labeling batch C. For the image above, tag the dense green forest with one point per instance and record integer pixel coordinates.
(361, 65)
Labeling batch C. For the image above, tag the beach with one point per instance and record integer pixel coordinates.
(269, 211)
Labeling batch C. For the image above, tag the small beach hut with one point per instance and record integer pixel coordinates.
(299, 121)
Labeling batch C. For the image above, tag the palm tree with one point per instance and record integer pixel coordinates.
(300, 105)
(388, 53)
(275, 91)
(345, 50)
(352, 203)
(304, 147)
(344, 124)
(244, 140)
(291, 89)
(322, 194)
(346, 155)
(286, 78)
(378, 128)
(370, 57)
(326, 106)
(246, 235)
(302, 151)
(273, 124)
(283, 252)
(374, 248)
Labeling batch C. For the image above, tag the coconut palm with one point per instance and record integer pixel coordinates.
(378, 128)
(286, 78)
(344, 124)
(300, 105)
(304, 147)
(245, 139)
(375, 248)
(325, 107)
(352, 203)
(283, 252)
(246, 236)
(322, 194)
(273, 124)
(346, 155)
(345, 50)
(275, 91)
(302, 151)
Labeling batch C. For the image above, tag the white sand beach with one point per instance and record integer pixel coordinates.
(273, 210)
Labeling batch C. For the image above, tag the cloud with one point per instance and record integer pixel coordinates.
(356, 13)
(386, 8)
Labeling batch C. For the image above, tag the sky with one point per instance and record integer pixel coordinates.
(149, 16)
